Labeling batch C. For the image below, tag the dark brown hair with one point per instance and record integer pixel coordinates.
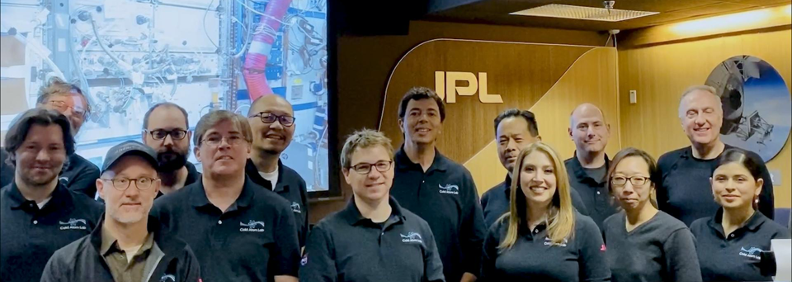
(18, 132)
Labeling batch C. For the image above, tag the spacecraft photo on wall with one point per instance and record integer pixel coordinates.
(757, 109)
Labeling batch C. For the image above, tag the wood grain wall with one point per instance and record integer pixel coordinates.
(365, 64)
(661, 72)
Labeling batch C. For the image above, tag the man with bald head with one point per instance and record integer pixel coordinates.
(684, 190)
(271, 118)
(589, 167)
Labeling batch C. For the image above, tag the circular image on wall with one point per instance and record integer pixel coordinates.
(757, 108)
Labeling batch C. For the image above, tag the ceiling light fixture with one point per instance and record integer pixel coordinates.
(607, 13)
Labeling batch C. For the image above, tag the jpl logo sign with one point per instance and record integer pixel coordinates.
(446, 83)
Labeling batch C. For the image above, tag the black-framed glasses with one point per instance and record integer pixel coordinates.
(142, 183)
(365, 168)
(637, 180)
(215, 140)
(176, 134)
(270, 118)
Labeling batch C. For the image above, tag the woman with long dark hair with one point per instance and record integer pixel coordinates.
(543, 238)
(645, 244)
(731, 244)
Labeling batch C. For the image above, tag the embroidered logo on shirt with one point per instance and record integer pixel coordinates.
(73, 224)
(603, 248)
(296, 207)
(411, 237)
(752, 252)
(449, 189)
(549, 242)
(251, 226)
(168, 278)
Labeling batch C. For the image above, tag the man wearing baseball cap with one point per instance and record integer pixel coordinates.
(126, 245)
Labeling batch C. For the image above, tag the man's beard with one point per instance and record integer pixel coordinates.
(36, 181)
(171, 160)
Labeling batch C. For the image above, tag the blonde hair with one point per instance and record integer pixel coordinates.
(364, 138)
(560, 214)
(57, 86)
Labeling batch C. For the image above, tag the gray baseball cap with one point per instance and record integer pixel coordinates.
(130, 148)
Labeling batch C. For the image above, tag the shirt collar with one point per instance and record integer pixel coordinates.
(403, 162)
(580, 172)
(60, 196)
(192, 174)
(98, 237)
(753, 223)
(253, 173)
(352, 215)
(110, 244)
(688, 152)
(199, 199)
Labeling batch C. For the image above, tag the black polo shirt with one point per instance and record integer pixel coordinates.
(254, 240)
(738, 257)
(79, 175)
(594, 192)
(534, 257)
(346, 246)
(31, 235)
(446, 197)
(495, 202)
(685, 191)
(291, 187)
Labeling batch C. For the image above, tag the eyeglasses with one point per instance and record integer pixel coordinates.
(142, 183)
(215, 140)
(63, 106)
(176, 134)
(635, 180)
(365, 168)
(284, 120)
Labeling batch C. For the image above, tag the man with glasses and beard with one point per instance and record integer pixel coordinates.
(166, 130)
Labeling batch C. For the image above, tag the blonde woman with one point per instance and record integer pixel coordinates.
(645, 244)
(543, 238)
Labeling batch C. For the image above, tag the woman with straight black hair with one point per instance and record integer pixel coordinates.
(644, 244)
(731, 244)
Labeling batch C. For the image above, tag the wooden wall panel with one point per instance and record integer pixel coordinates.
(556, 77)
(593, 79)
(365, 63)
(660, 73)
(520, 73)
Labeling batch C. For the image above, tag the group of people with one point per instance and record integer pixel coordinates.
(700, 213)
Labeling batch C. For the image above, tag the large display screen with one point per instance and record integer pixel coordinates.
(203, 55)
